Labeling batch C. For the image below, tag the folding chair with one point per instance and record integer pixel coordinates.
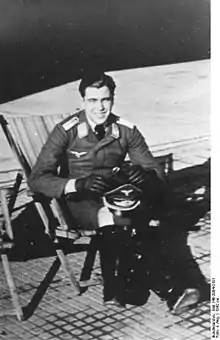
(26, 135)
(7, 188)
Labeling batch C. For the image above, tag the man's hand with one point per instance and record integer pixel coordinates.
(136, 174)
(93, 183)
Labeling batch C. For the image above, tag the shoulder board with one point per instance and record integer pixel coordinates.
(125, 122)
(70, 122)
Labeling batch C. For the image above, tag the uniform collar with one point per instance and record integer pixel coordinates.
(91, 123)
(111, 126)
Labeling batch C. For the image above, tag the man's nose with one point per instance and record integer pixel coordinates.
(100, 105)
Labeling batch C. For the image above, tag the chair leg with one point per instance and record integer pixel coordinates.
(11, 285)
(85, 277)
(68, 270)
(43, 217)
(15, 192)
(60, 254)
(7, 209)
(6, 213)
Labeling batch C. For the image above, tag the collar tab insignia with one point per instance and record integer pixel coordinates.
(115, 131)
(82, 130)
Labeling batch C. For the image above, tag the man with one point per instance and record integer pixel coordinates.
(77, 163)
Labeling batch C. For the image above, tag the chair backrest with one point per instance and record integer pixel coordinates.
(27, 134)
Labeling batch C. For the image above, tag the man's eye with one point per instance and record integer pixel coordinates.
(94, 101)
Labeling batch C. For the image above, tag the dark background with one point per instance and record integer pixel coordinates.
(45, 43)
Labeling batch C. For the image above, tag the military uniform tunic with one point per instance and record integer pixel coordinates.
(73, 151)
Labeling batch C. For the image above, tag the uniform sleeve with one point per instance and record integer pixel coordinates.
(139, 152)
(44, 176)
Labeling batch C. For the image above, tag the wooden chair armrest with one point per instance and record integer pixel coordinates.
(166, 163)
(37, 197)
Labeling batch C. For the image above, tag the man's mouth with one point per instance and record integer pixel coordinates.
(101, 116)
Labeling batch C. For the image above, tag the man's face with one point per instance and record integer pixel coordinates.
(98, 104)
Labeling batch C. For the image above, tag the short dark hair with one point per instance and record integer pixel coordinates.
(98, 80)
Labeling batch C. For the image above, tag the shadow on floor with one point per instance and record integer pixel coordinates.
(189, 204)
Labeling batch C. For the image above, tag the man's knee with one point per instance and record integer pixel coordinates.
(105, 217)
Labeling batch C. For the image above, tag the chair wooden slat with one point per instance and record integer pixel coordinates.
(36, 133)
(19, 135)
(51, 120)
(31, 132)
(25, 140)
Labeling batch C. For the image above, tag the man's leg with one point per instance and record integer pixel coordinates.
(132, 270)
(84, 213)
(109, 243)
(92, 215)
(111, 236)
